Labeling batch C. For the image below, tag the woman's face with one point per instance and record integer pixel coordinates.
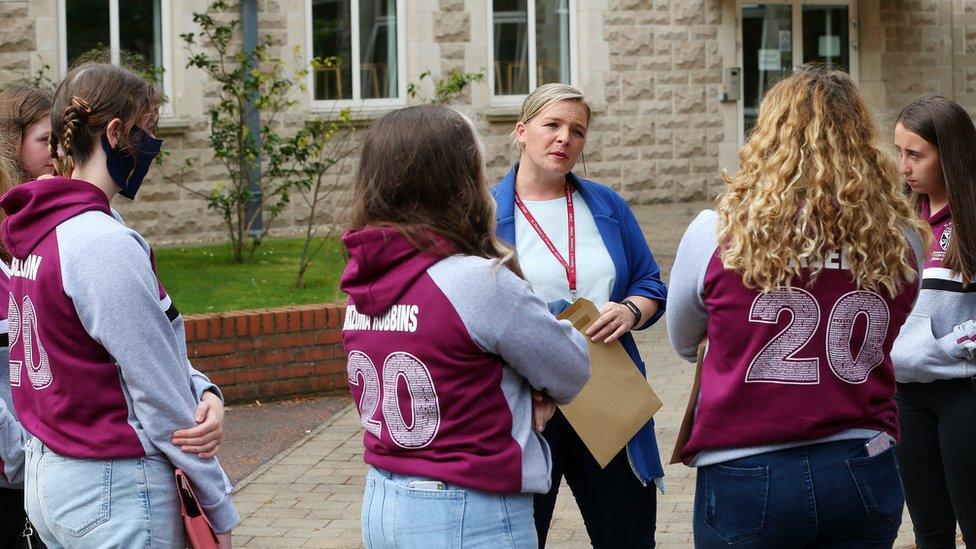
(919, 162)
(553, 140)
(34, 155)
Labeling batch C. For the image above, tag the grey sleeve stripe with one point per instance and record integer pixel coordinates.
(686, 316)
(504, 317)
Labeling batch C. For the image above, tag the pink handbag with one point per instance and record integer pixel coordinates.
(199, 533)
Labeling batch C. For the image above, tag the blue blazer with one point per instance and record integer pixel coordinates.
(636, 274)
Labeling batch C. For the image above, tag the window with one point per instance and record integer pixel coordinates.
(366, 38)
(531, 44)
(779, 35)
(137, 27)
(132, 26)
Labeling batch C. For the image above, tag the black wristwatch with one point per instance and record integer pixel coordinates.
(634, 309)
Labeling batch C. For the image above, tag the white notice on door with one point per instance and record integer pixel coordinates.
(769, 60)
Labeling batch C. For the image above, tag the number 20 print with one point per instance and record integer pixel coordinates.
(777, 362)
(423, 398)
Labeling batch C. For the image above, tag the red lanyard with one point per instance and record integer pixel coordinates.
(570, 266)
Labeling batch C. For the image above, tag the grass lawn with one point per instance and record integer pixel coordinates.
(205, 279)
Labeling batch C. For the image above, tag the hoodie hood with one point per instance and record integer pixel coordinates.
(383, 265)
(36, 208)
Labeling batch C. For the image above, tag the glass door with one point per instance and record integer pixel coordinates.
(777, 37)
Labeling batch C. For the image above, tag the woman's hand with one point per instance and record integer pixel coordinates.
(543, 408)
(615, 320)
(204, 439)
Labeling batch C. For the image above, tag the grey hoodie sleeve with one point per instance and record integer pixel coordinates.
(687, 318)
(202, 384)
(504, 317)
(13, 438)
(106, 272)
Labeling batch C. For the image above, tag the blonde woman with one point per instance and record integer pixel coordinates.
(801, 280)
(576, 237)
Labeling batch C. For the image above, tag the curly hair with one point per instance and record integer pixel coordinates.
(813, 178)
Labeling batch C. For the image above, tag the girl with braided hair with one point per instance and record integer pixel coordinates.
(99, 372)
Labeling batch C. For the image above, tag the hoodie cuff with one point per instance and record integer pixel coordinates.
(223, 516)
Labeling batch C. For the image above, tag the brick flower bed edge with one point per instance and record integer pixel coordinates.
(270, 353)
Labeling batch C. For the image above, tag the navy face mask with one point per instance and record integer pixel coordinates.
(128, 172)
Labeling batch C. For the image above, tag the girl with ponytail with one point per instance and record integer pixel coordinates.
(100, 377)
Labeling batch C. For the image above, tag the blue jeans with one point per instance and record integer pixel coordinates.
(396, 515)
(102, 503)
(821, 495)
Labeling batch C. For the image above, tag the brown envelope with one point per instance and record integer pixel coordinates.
(616, 402)
(684, 432)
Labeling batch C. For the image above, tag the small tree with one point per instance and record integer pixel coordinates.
(246, 80)
(448, 87)
(316, 150)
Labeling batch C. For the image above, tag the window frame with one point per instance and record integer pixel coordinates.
(796, 24)
(515, 100)
(165, 19)
(357, 102)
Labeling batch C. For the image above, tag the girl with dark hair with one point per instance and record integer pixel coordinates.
(99, 373)
(800, 279)
(446, 343)
(935, 354)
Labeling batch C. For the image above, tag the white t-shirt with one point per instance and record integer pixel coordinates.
(595, 273)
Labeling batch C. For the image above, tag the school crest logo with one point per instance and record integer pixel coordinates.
(946, 235)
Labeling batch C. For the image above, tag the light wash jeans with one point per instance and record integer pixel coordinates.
(395, 515)
(102, 503)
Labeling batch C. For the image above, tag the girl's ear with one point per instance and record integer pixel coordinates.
(112, 131)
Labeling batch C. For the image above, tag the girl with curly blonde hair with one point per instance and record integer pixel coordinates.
(800, 280)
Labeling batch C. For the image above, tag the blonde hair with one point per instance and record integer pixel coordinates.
(813, 178)
(546, 95)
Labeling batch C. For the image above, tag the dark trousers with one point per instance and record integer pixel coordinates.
(937, 456)
(829, 495)
(617, 509)
(12, 519)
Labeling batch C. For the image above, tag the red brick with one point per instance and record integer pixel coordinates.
(287, 371)
(241, 393)
(267, 323)
(213, 328)
(333, 318)
(294, 321)
(330, 367)
(197, 327)
(273, 358)
(325, 337)
(224, 379)
(214, 348)
(234, 360)
(253, 324)
(227, 326)
(316, 353)
(251, 375)
(321, 318)
(295, 339)
(281, 321)
(240, 324)
(308, 319)
(243, 344)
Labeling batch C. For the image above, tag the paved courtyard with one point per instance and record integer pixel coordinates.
(309, 495)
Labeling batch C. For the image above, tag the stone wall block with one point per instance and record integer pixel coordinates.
(689, 55)
(688, 12)
(637, 86)
(452, 26)
(690, 143)
(689, 99)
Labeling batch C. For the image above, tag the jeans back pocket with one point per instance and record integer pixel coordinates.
(879, 485)
(75, 493)
(735, 504)
(428, 518)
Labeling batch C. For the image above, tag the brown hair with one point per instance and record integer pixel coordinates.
(815, 176)
(21, 106)
(949, 129)
(91, 95)
(422, 170)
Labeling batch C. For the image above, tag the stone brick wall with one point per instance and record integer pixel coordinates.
(270, 354)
